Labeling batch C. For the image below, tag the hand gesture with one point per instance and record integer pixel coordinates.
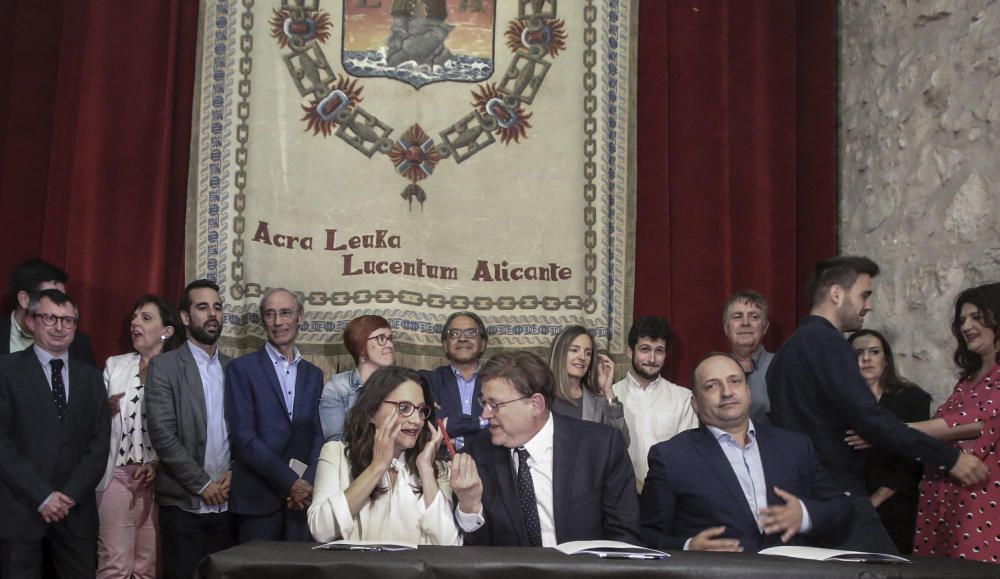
(145, 474)
(115, 403)
(213, 495)
(969, 470)
(300, 495)
(785, 519)
(384, 447)
(706, 541)
(57, 507)
(224, 481)
(425, 460)
(855, 441)
(466, 484)
(605, 375)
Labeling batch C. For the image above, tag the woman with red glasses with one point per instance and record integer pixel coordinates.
(383, 482)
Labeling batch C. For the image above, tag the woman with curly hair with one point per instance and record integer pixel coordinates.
(383, 482)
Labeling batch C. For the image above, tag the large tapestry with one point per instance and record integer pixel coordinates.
(414, 158)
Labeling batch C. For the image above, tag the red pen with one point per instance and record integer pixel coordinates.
(447, 439)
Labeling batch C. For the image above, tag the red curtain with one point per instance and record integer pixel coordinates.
(736, 152)
(736, 162)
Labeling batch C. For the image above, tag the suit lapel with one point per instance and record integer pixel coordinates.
(451, 389)
(269, 369)
(477, 393)
(709, 449)
(196, 390)
(503, 469)
(770, 461)
(563, 466)
(39, 384)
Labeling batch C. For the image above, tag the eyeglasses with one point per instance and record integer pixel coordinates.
(284, 315)
(381, 339)
(68, 322)
(407, 408)
(467, 332)
(496, 406)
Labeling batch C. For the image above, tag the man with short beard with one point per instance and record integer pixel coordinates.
(816, 387)
(185, 415)
(655, 409)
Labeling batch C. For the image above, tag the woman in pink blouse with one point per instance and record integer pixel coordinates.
(952, 520)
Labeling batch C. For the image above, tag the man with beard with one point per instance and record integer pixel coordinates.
(272, 398)
(744, 320)
(185, 416)
(455, 386)
(655, 409)
(816, 388)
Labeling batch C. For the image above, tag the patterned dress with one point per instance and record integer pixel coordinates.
(957, 521)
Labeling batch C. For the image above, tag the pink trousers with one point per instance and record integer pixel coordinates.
(126, 546)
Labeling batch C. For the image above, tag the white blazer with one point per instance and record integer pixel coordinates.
(121, 373)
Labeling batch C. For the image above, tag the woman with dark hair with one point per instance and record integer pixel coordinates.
(369, 340)
(892, 480)
(126, 545)
(384, 482)
(584, 384)
(954, 520)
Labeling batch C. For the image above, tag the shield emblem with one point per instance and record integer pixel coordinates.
(419, 42)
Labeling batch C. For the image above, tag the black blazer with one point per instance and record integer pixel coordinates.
(444, 389)
(40, 454)
(691, 486)
(80, 349)
(262, 439)
(593, 488)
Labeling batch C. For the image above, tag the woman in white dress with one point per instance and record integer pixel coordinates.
(383, 482)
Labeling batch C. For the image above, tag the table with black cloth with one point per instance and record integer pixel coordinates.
(265, 560)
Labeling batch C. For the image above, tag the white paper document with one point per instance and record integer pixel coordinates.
(817, 554)
(610, 550)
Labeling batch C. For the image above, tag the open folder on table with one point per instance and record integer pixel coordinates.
(609, 550)
(817, 554)
(345, 545)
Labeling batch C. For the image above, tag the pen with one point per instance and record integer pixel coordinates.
(447, 439)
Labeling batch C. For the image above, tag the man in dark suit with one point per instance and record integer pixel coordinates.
(543, 479)
(816, 388)
(29, 278)
(185, 415)
(272, 396)
(456, 387)
(732, 485)
(54, 440)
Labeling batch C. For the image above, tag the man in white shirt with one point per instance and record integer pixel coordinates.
(655, 409)
(185, 416)
(545, 479)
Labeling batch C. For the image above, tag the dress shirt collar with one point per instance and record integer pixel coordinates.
(461, 377)
(720, 434)
(277, 357)
(46, 358)
(17, 328)
(540, 445)
(633, 383)
(201, 356)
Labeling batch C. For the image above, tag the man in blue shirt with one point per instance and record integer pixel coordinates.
(455, 386)
(816, 388)
(733, 485)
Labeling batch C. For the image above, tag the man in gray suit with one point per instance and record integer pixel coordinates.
(185, 415)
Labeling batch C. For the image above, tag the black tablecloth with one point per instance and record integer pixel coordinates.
(264, 560)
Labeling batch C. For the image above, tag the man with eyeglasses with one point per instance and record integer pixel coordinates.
(28, 278)
(455, 386)
(185, 416)
(655, 408)
(272, 397)
(744, 320)
(54, 439)
(543, 478)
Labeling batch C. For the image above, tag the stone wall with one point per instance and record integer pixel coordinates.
(920, 165)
